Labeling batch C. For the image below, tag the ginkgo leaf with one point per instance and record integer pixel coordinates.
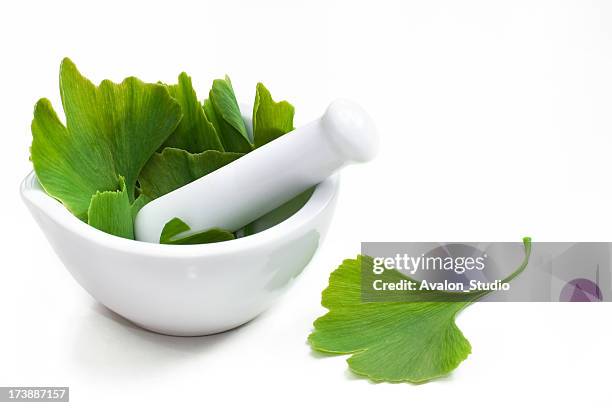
(111, 211)
(177, 226)
(270, 119)
(111, 131)
(227, 118)
(194, 133)
(211, 115)
(174, 168)
(393, 341)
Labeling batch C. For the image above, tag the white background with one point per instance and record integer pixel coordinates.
(495, 122)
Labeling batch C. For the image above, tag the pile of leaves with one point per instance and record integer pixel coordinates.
(126, 144)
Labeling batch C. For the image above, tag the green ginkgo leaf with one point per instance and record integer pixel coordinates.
(195, 133)
(223, 111)
(111, 211)
(270, 119)
(393, 341)
(211, 115)
(174, 168)
(111, 131)
(177, 226)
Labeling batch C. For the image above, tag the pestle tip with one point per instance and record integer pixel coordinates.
(352, 130)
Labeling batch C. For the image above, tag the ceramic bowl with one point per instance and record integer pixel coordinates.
(188, 290)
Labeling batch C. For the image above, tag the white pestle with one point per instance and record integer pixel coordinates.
(255, 184)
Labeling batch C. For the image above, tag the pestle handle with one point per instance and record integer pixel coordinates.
(251, 186)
